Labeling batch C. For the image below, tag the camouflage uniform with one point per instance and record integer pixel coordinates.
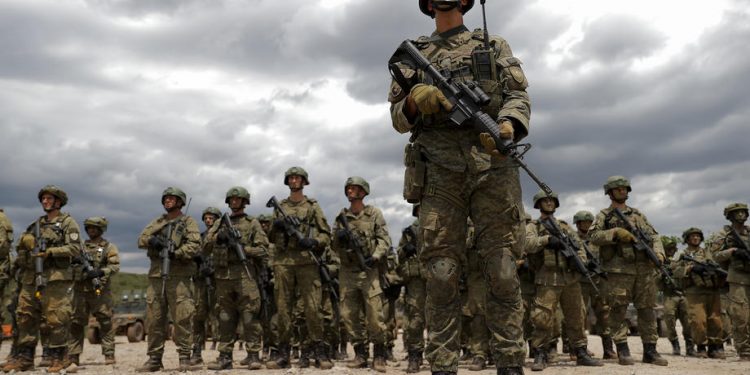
(474, 308)
(414, 297)
(597, 301)
(105, 256)
(738, 279)
(703, 301)
(295, 272)
(6, 240)
(178, 302)
(237, 295)
(460, 179)
(204, 294)
(361, 292)
(675, 308)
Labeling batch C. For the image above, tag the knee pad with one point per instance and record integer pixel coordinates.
(442, 280)
(501, 275)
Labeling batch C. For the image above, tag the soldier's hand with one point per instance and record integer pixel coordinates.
(554, 243)
(370, 261)
(308, 243)
(42, 254)
(623, 235)
(28, 241)
(222, 238)
(429, 99)
(698, 269)
(342, 235)
(93, 274)
(488, 143)
(156, 242)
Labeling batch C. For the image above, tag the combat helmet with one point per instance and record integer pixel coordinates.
(296, 171)
(265, 218)
(689, 231)
(56, 192)
(541, 194)
(734, 207)
(616, 181)
(97, 221)
(211, 211)
(583, 216)
(423, 5)
(238, 191)
(357, 181)
(176, 192)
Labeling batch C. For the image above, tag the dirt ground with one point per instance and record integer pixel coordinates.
(132, 355)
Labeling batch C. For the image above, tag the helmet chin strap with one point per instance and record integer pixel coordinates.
(445, 6)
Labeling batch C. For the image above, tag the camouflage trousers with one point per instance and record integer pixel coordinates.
(704, 317)
(528, 302)
(178, 307)
(389, 319)
(48, 317)
(87, 302)
(620, 290)
(726, 321)
(676, 308)
(203, 310)
(331, 320)
(739, 312)
(414, 300)
(362, 306)
(238, 301)
(493, 201)
(598, 303)
(477, 335)
(305, 280)
(550, 299)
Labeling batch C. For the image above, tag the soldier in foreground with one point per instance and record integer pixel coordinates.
(414, 294)
(45, 254)
(702, 279)
(100, 261)
(295, 269)
(732, 245)
(631, 275)
(557, 285)
(237, 243)
(361, 242)
(675, 307)
(171, 242)
(204, 289)
(457, 172)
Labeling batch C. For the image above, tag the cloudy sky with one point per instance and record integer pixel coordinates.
(114, 100)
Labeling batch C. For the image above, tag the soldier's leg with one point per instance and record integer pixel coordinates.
(670, 317)
(739, 308)
(697, 318)
(543, 311)
(284, 291)
(682, 316)
(312, 293)
(644, 300)
(248, 305)
(726, 321)
(78, 322)
(352, 303)
(28, 316)
(181, 309)
(571, 305)
(497, 213)
(618, 288)
(227, 295)
(414, 311)
(101, 307)
(201, 314)
(480, 336)
(156, 318)
(713, 320)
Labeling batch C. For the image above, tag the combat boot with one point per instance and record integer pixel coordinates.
(304, 358)
(196, 358)
(650, 355)
(583, 358)
(479, 363)
(415, 361)
(22, 361)
(716, 352)
(74, 358)
(153, 364)
(295, 352)
(466, 355)
(46, 358)
(279, 358)
(701, 353)
(510, 371)
(342, 355)
(608, 349)
(184, 364)
(360, 357)
(675, 347)
(59, 361)
(540, 360)
(223, 362)
(378, 358)
(323, 361)
(623, 354)
(551, 353)
(254, 362)
(389, 357)
(245, 361)
(689, 348)
(109, 359)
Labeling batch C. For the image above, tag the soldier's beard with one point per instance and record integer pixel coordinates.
(548, 213)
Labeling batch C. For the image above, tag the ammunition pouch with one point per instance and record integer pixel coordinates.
(414, 175)
(221, 257)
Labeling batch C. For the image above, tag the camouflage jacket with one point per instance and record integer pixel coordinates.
(187, 240)
(254, 242)
(451, 147)
(370, 227)
(622, 258)
(409, 267)
(690, 282)
(105, 256)
(313, 224)
(62, 238)
(6, 240)
(739, 271)
(549, 266)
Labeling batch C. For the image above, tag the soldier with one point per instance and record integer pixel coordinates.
(6, 241)
(731, 246)
(171, 240)
(528, 287)
(675, 306)
(414, 295)
(456, 172)
(295, 269)
(268, 325)
(45, 254)
(361, 289)
(557, 286)
(701, 280)
(237, 293)
(93, 294)
(597, 301)
(204, 289)
(631, 276)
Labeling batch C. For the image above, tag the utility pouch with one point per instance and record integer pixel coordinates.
(414, 175)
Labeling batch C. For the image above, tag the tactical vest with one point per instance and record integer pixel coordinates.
(223, 255)
(365, 228)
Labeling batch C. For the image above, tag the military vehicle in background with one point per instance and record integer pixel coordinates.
(129, 318)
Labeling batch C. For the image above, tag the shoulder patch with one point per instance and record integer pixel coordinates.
(73, 236)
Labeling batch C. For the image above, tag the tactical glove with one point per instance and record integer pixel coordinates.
(698, 269)
(554, 243)
(28, 241)
(308, 243)
(429, 99)
(93, 274)
(409, 250)
(156, 242)
(622, 235)
(490, 147)
(342, 235)
(222, 238)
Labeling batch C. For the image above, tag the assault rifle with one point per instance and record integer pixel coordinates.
(234, 240)
(569, 249)
(166, 254)
(593, 263)
(742, 252)
(40, 246)
(642, 244)
(206, 270)
(86, 268)
(410, 248)
(467, 99)
(710, 268)
(355, 243)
